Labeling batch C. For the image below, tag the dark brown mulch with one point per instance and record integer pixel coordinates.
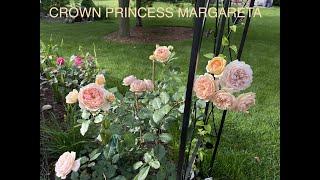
(152, 35)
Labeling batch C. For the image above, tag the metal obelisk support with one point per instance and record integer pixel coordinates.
(245, 30)
(244, 35)
(196, 44)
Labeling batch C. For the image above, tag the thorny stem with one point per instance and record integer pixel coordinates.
(136, 115)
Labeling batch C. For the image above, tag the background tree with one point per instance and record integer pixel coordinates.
(124, 21)
(138, 20)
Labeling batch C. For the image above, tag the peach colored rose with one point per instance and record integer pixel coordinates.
(110, 97)
(138, 86)
(72, 97)
(223, 100)
(161, 54)
(128, 80)
(236, 76)
(149, 84)
(100, 80)
(216, 66)
(66, 163)
(204, 87)
(92, 97)
(245, 101)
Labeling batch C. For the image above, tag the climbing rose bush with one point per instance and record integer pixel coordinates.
(225, 80)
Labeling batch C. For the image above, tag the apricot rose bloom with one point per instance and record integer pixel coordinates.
(245, 101)
(110, 97)
(223, 100)
(237, 76)
(204, 87)
(216, 66)
(100, 80)
(149, 85)
(161, 54)
(92, 97)
(128, 80)
(138, 86)
(72, 97)
(66, 163)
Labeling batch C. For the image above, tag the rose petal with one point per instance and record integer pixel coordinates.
(76, 165)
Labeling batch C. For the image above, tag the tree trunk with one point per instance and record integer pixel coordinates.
(124, 21)
(138, 18)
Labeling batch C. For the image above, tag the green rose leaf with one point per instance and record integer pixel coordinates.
(209, 55)
(98, 119)
(159, 151)
(95, 157)
(142, 174)
(120, 177)
(91, 164)
(225, 41)
(233, 28)
(84, 127)
(181, 108)
(156, 103)
(74, 175)
(234, 48)
(165, 137)
(115, 158)
(164, 97)
(149, 137)
(160, 113)
(200, 123)
(207, 128)
(85, 114)
(137, 165)
(155, 164)
(84, 160)
(113, 90)
(147, 157)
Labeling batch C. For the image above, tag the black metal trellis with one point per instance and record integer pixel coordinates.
(183, 169)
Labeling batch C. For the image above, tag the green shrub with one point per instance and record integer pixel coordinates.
(47, 4)
(276, 2)
(87, 3)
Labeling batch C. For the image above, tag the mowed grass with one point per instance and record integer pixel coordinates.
(250, 144)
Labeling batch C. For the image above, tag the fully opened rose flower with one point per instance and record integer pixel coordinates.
(149, 85)
(128, 80)
(72, 97)
(66, 163)
(92, 97)
(77, 61)
(60, 61)
(138, 86)
(204, 87)
(223, 100)
(216, 66)
(245, 101)
(161, 54)
(100, 80)
(236, 76)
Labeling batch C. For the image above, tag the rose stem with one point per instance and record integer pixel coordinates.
(153, 70)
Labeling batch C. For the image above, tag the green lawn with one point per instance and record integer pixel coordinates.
(245, 136)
